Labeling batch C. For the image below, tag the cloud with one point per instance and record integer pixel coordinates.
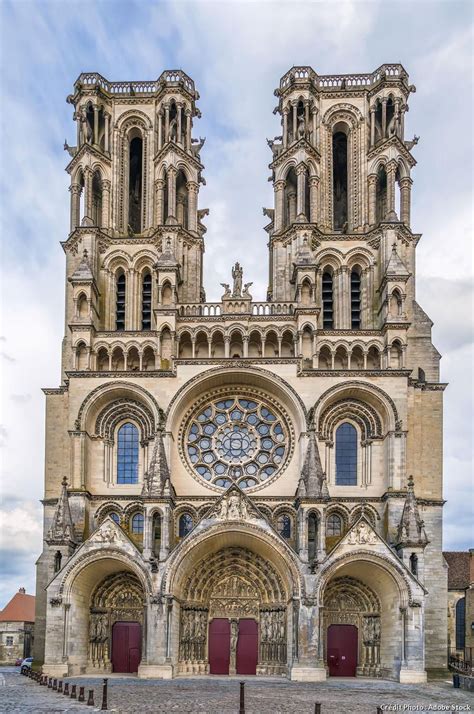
(20, 543)
(20, 398)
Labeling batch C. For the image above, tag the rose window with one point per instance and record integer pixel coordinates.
(236, 440)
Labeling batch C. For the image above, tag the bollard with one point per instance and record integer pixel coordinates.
(242, 698)
(317, 708)
(73, 691)
(81, 694)
(60, 686)
(66, 689)
(50, 682)
(44, 680)
(90, 700)
(379, 710)
(55, 685)
(104, 695)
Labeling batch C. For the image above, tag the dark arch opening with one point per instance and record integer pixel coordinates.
(327, 289)
(120, 303)
(146, 302)
(135, 184)
(355, 299)
(339, 155)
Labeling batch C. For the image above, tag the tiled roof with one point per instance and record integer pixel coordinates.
(21, 608)
(458, 569)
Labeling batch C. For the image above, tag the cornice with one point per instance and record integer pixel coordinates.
(63, 389)
(428, 386)
(354, 373)
(152, 373)
(240, 362)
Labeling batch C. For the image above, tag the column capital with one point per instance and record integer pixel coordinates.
(285, 110)
(301, 168)
(406, 182)
(172, 170)
(75, 188)
(106, 184)
(384, 100)
(192, 186)
(280, 185)
(314, 180)
(188, 112)
(160, 183)
(373, 109)
(372, 178)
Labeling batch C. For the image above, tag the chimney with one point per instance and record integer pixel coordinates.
(22, 591)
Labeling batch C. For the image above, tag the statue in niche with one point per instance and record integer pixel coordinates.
(234, 635)
(86, 127)
(237, 274)
(234, 509)
(301, 128)
(173, 130)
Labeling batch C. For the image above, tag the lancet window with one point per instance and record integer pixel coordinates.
(135, 183)
(346, 455)
(146, 301)
(284, 526)
(334, 525)
(355, 300)
(120, 302)
(312, 536)
(137, 524)
(328, 301)
(185, 525)
(340, 182)
(127, 454)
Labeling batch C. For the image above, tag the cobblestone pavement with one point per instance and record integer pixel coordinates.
(221, 696)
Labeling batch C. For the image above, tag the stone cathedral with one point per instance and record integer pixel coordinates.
(244, 487)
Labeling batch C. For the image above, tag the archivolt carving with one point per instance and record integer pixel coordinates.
(102, 390)
(350, 594)
(364, 388)
(363, 414)
(121, 409)
(234, 569)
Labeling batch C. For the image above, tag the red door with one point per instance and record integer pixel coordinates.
(342, 650)
(247, 647)
(219, 646)
(126, 646)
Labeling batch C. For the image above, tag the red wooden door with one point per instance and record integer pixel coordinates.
(126, 646)
(247, 647)
(342, 650)
(219, 646)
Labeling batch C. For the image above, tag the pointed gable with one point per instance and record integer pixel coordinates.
(411, 530)
(156, 481)
(312, 483)
(62, 526)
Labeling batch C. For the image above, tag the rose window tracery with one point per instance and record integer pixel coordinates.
(236, 439)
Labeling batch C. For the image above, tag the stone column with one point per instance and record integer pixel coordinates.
(313, 199)
(167, 123)
(226, 346)
(96, 125)
(308, 667)
(391, 170)
(384, 117)
(107, 132)
(75, 190)
(245, 341)
(179, 110)
(372, 126)
(372, 193)
(279, 196)
(88, 192)
(306, 118)
(301, 191)
(292, 203)
(171, 176)
(159, 202)
(193, 190)
(106, 186)
(295, 109)
(160, 130)
(285, 127)
(405, 200)
(315, 127)
(402, 121)
(188, 130)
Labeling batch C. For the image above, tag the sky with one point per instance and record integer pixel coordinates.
(236, 52)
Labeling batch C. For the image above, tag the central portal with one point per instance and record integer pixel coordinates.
(233, 646)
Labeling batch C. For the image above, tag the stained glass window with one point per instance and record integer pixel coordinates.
(185, 525)
(346, 455)
(115, 517)
(284, 526)
(334, 525)
(137, 524)
(127, 454)
(461, 623)
(236, 440)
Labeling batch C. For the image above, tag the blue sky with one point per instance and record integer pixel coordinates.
(236, 53)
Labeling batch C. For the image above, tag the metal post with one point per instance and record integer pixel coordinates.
(50, 683)
(317, 708)
(104, 695)
(60, 686)
(73, 691)
(242, 698)
(90, 699)
(66, 689)
(55, 685)
(81, 694)
(379, 710)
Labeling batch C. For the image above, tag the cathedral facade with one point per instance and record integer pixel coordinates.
(244, 487)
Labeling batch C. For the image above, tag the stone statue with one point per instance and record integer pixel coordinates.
(86, 128)
(226, 287)
(234, 635)
(270, 213)
(234, 507)
(245, 291)
(301, 129)
(237, 274)
(196, 145)
(173, 130)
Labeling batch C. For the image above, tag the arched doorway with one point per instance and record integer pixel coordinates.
(116, 622)
(233, 616)
(351, 624)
